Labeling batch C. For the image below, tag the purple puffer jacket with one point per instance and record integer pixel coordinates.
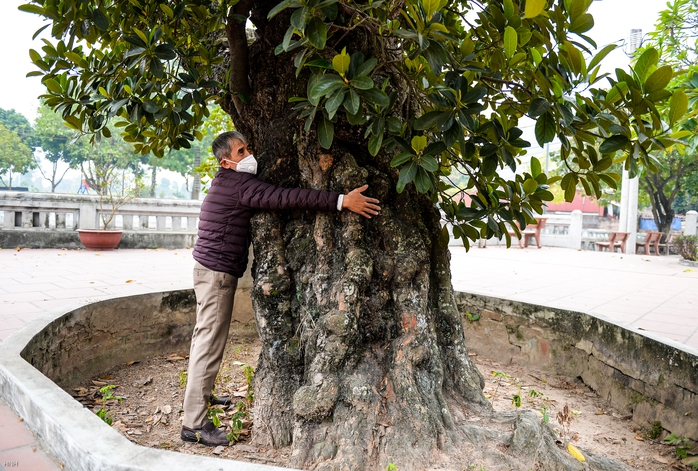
(224, 222)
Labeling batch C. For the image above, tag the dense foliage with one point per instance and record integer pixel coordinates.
(473, 70)
(675, 39)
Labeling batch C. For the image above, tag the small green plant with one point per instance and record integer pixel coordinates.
(681, 444)
(183, 379)
(248, 371)
(516, 401)
(236, 422)
(533, 393)
(391, 467)
(107, 395)
(212, 415)
(655, 430)
(544, 411)
(472, 317)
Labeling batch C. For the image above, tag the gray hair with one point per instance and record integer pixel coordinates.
(223, 144)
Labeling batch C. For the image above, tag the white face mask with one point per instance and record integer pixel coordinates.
(246, 165)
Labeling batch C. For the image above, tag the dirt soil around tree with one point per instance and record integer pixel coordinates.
(143, 401)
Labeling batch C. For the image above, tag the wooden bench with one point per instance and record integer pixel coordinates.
(652, 239)
(531, 232)
(615, 240)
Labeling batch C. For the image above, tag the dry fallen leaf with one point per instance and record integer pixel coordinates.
(174, 358)
(661, 459)
(639, 438)
(574, 451)
(129, 281)
(132, 362)
(97, 254)
(99, 383)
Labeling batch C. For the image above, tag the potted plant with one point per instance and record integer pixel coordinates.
(112, 174)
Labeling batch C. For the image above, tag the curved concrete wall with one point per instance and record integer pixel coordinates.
(649, 378)
(654, 380)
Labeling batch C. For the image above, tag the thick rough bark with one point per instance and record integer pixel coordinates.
(364, 360)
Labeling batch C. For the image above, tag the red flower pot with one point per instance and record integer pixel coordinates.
(97, 239)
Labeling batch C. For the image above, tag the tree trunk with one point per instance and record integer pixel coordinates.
(196, 185)
(153, 180)
(364, 361)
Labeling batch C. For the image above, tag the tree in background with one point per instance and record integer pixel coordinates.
(59, 145)
(18, 123)
(675, 43)
(15, 156)
(364, 361)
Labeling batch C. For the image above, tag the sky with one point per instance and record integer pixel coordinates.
(614, 19)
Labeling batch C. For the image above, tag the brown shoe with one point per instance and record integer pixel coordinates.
(208, 435)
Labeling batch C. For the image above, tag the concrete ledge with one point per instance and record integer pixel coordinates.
(60, 239)
(76, 436)
(651, 378)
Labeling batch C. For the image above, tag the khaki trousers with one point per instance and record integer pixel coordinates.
(215, 292)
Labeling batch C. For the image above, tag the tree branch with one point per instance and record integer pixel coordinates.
(239, 53)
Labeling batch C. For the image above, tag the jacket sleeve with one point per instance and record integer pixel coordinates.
(256, 194)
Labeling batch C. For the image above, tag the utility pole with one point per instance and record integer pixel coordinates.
(630, 186)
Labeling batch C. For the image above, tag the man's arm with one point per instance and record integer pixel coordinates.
(261, 195)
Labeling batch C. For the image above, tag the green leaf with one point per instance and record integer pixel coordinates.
(508, 8)
(52, 85)
(341, 62)
(534, 8)
(316, 32)
(418, 143)
(600, 56)
(678, 105)
(362, 82)
(574, 56)
(429, 163)
(430, 7)
(530, 186)
(511, 40)
(407, 174)
(327, 84)
(29, 8)
(645, 63)
(325, 132)
(545, 128)
(570, 187)
(100, 19)
(375, 96)
(401, 159)
(279, 8)
(444, 237)
(428, 120)
(352, 102)
(659, 79)
(537, 107)
(474, 94)
(613, 144)
(582, 23)
(535, 167)
(422, 181)
(374, 143)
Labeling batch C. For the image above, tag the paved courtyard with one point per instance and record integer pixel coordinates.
(654, 294)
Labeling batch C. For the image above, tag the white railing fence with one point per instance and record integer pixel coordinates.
(61, 212)
(578, 231)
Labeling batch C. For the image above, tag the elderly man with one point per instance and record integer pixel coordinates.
(221, 258)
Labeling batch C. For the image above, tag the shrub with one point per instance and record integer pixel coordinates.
(687, 246)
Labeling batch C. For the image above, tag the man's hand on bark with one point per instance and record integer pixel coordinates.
(357, 203)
